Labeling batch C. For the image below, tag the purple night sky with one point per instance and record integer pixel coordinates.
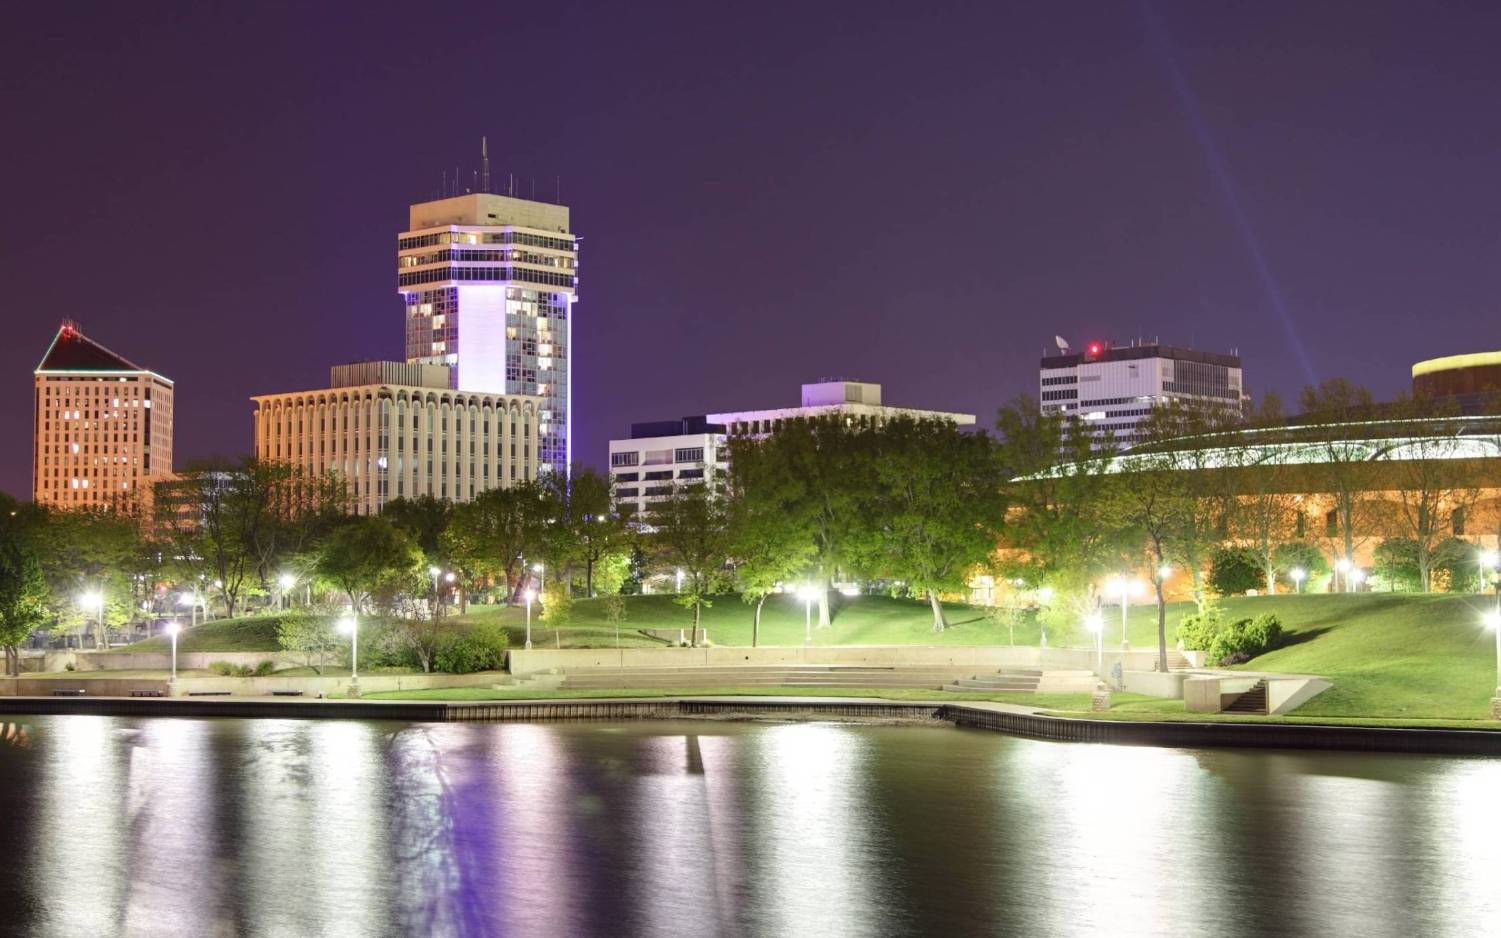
(919, 194)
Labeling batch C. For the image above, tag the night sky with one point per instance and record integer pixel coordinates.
(918, 194)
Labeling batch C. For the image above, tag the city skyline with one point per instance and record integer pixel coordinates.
(1216, 178)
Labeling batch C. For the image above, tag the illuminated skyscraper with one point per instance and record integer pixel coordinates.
(489, 284)
(103, 426)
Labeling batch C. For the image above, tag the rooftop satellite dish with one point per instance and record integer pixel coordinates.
(1062, 342)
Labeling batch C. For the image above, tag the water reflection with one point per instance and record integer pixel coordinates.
(285, 827)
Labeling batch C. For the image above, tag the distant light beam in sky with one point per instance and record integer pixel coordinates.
(1219, 171)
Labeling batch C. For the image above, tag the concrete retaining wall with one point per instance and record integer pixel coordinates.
(244, 686)
(1168, 686)
(980, 657)
(186, 661)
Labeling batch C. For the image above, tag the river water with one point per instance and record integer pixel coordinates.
(188, 827)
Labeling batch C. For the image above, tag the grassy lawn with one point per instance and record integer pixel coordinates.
(246, 633)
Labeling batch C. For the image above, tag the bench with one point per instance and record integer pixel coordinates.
(208, 693)
(286, 693)
(70, 692)
(147, 693)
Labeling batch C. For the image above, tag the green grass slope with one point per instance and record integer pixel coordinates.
(246, 633)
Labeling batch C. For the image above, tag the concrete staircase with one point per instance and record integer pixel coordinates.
(789, 676)
(1025, 681)
(1252, 701)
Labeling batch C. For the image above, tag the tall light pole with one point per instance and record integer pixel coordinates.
(1493, 619)
(172, 629)
(286, 581)
(1096, 624)
(1491, 560)
(94, 602)
(1342, 565)
(680, 579)
(808, 594)
(1044, 596)
(1298, 575)
(530, 594)
(351, 625)
(541, 572)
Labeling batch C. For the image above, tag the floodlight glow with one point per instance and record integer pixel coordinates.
(1357, 575)
(187, 599)
(1298, 574)
(1492, 619)
(530, 595)
(537, 568)
(433, 571)
(1137, 587)
(1045, 594)
(173, 628)
(1490, 559)
(448, 576)
(807, 593)
(1095, 624)
(346, 625)
(90, 600)
(286, 581)
(1342, 565)
(1164, 571)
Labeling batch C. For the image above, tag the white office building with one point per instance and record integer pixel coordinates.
(859, 400)
(489, 284)
(1114, 388)
(663, 454)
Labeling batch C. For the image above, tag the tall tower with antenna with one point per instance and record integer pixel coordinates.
(489, 285)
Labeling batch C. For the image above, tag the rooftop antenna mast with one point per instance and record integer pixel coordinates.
(484, 162)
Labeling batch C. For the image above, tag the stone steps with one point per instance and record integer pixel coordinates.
(790, 676)
(1252, 701)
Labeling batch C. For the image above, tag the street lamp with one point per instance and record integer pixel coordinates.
(1493, 622)
(1342, 566)
(1353, 580)
(1298, 575)
(1044, 596)
(530, 595)
(94, 602)
(1490, 560)
(351, 625)
(1096, 625)
(542, 577)
(286, 581)
(680, 579)
(808, 594)
(190, 600)
(172, 629)
(1125, 589)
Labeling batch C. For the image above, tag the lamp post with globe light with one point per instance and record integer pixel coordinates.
(94, 602)
(286, 581)
(350, 625)
(1096, 625)
(807, 594)
(529, 595)
(1493, 621)
(1044, 596)
(1298, 575)
(172, 630)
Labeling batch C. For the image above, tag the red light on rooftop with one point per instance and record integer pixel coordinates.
(1094, 348)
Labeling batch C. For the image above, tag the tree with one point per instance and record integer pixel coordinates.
(23, 588)
(363, 555)
(308, 633)
(424, 519)
(1339, 411)
(936, 503)
(1396, 563)
(86, 551)
(1433, 486)
(1265, 514)
(1057, 534)
(493, 532)
(1234, 570)
(769, 545)
(690, 531)
(599, 533)
(823, 473)
(1301, 555)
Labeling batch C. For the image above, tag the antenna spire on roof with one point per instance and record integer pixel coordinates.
(484, 162)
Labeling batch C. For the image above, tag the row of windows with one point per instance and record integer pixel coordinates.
(488, 257)
(1060, 395)
(486, 275)
(486, 237)
(1061, 379)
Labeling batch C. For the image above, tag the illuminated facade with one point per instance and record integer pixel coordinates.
(1470, 380)
(662, 455)
(489, 283)
(1113, 389)
(399, 430)
(858, 400)
(103, 426)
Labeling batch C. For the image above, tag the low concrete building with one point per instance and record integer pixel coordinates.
(397, 430)
(661, 455)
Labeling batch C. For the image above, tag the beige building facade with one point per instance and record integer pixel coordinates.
(103, 431)
(398, 430)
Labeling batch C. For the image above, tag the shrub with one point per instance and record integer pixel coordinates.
(480, 647)
(265, 668)
(225, 669)
(1244, 639)
(1233, 571)
(1197, 631)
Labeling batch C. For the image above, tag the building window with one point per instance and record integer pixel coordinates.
(624, 459)
(689, 454)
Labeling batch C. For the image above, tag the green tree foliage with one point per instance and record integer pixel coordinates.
(491, 534)
(1265, 515)
(1395, 561)
(88, 551)
(1057, 534)
(557, 605)
(1301, 555)
(424, 519)
(936, 505)
(311, 634)
(1433, 488)
(465, 650)
(366, 555)
(690, 532)
(771, 546)
(821, 470)
(23, 588)
(1234, 570)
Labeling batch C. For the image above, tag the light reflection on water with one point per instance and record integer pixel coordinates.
(117, 826)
